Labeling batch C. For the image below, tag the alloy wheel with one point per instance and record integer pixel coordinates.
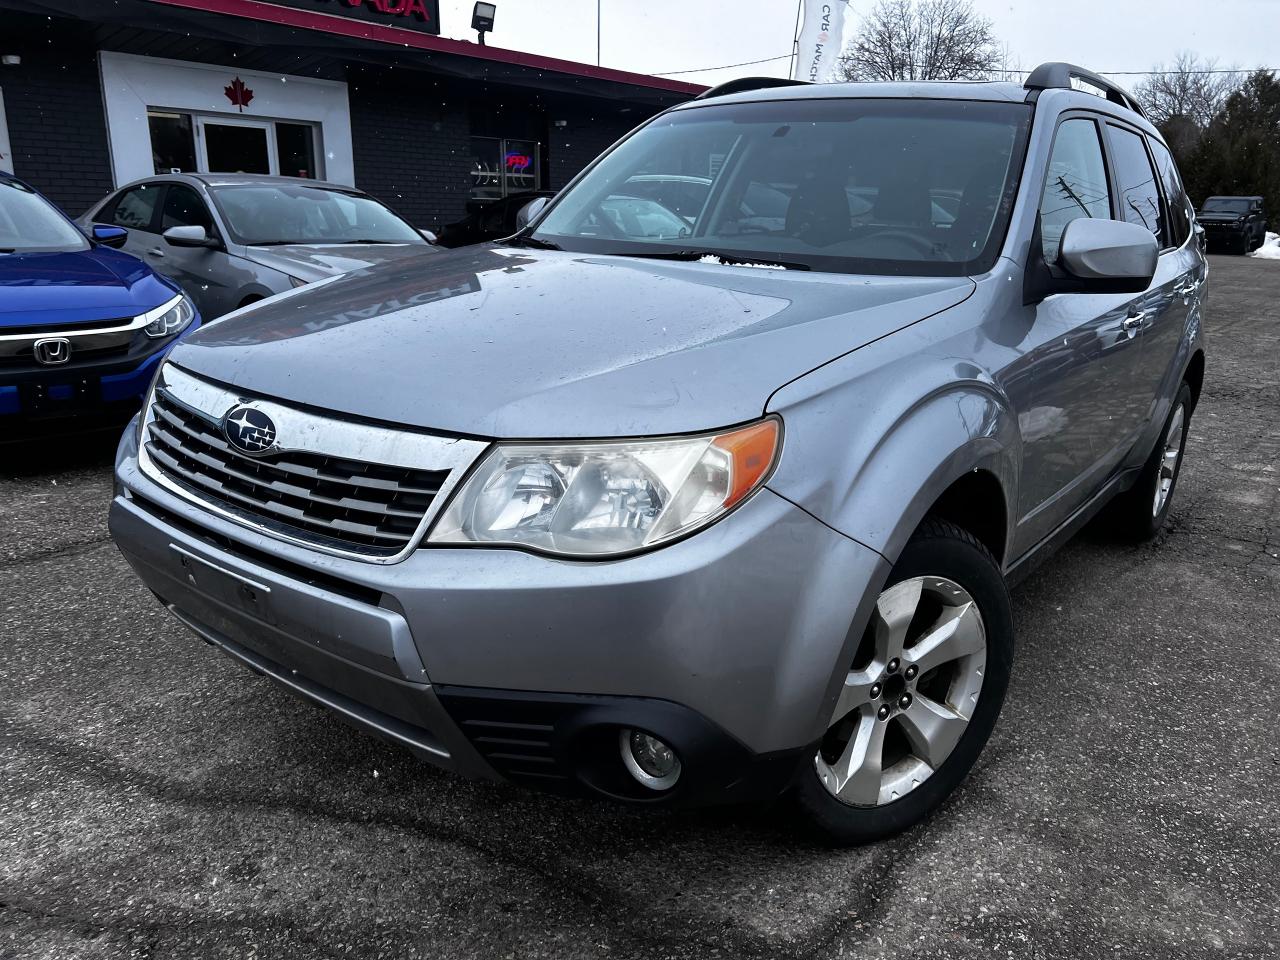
(910, 696)
(1169, 460)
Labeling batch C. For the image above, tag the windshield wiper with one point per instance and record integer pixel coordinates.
(535, 242)
(721, 255)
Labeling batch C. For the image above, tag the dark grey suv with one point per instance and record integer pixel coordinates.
(701, 505)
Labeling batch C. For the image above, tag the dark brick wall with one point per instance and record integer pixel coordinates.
(410, 140)
(57, 127)
(588, 131)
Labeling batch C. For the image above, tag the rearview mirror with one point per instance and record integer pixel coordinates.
(189, 236)
(115, 237)
(1096, 256)
(529, 212)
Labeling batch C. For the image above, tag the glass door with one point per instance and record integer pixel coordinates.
(237, 146)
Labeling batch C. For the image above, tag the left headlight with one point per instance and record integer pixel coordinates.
(173, 317)
(607, 498)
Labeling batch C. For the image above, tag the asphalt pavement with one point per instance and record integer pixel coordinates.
(158, 801)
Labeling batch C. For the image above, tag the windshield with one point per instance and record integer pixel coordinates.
(859, 186)
(271, 213)
(31, 224)
(1225, 205)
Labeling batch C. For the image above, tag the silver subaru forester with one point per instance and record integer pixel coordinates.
(709, 484)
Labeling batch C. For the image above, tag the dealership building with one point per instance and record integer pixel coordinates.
(96, 93)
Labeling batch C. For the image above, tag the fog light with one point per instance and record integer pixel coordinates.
(653, 763)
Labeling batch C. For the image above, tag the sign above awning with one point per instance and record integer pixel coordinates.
(420, 15)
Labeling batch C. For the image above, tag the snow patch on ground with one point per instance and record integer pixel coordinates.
(711, 258)
(1270, 249)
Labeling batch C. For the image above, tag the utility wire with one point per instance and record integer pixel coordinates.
(723, 66)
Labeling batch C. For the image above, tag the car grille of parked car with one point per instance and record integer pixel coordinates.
(365, 508)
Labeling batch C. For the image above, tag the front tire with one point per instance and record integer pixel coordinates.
(922, 696)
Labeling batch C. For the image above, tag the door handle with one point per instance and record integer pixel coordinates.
(1133, 321)
(155, 252)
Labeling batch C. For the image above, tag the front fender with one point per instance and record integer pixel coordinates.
(869, 450)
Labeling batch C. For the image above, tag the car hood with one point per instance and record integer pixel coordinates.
(68, 288)
(315, 262)
(504, 342)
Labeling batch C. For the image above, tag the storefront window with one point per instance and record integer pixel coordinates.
(173, 143)
(190, 143)
(296, 144)
(500, 168)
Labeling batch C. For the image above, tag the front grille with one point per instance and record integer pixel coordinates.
(367, 508)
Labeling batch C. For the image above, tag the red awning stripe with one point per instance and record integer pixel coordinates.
(341, 26)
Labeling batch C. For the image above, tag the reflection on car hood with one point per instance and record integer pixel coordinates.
(313, 262)
(503, 342)
(1220, 217)
(95, 284)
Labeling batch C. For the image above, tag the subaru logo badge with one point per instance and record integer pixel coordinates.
(52, 351)
(249, 430)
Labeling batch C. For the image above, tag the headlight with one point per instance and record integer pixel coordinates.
(170, 318)
(607, 498)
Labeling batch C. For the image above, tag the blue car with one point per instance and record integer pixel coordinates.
(82, 325)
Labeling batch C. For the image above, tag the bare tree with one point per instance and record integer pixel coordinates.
(1186, 90)
(922, 40)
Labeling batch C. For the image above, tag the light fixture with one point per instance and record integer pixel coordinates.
(13, 60)
(482, 19)
(650, 762)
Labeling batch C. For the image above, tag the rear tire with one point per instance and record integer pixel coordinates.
(1139, 513)
(948, 599)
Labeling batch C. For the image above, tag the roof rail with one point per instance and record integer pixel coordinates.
(748, 83)
(1058, 76)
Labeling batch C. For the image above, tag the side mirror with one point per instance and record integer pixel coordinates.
(189, 236)
(529, 212)
(115, 237)
(1096, 256)
(428, 235)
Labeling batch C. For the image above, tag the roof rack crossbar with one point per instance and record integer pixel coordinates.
(1058, 76)
(748, 83)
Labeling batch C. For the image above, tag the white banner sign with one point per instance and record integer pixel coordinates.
(820, 40)
(6, 152)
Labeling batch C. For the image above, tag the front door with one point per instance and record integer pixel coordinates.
(207, 275)
(1086, 409)
(236, 146)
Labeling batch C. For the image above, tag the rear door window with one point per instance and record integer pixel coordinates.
(136, 209)
(1076, 185)
(1136, 183)
(1175, 195)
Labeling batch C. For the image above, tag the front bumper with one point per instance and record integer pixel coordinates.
(499, 663)
(80, 388)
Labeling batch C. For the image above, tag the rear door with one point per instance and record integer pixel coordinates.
(1174, 300)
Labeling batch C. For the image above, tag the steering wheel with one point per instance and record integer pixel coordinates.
(905, 236)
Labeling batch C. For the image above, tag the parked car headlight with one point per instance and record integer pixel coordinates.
(607, 498)
(171, 318)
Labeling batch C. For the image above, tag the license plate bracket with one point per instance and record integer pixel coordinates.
(235, 590)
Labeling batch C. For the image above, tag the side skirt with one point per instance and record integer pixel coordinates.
(1030, 561)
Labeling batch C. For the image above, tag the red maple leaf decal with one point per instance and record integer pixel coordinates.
(238, 94)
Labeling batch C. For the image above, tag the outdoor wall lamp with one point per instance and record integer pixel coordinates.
(13, 60)
(482, 19)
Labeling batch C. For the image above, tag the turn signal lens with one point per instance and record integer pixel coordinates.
(607, 498)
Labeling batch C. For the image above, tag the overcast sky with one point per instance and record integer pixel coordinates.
(660, 36)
